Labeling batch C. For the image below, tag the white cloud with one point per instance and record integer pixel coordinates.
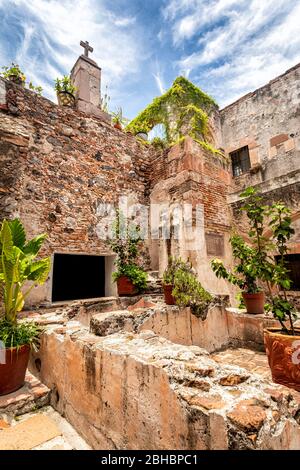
(159, 83)
(124, 22)
(53, 30)
(253, 44)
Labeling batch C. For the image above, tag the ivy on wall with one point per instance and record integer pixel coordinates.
(183, 110)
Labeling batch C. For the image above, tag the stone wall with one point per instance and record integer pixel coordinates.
(128, 391)
(221, 327)
(58, 166)
(266, 120)
(187, 174)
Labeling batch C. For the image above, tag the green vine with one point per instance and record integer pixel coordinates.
(183, 110)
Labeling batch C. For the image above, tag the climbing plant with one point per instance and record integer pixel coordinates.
(183, 110)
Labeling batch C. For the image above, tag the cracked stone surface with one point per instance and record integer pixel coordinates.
(141, 391)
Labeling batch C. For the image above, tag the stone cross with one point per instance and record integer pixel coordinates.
(87, 48)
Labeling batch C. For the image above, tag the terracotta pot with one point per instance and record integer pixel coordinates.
(12, 373)
(65, 98)
(126, 287)
(255, 303)
(169, 299)
(117, 125)
(283, 352)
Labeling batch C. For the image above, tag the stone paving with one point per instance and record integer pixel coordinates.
(30, 401)
(67, 438)
(255, 362)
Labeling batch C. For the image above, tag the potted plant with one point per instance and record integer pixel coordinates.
(245, 274)
(14, 74)
(282, 343)
(18, 265)
(174, 264)
(129, 276)
(188, 292)
(118, 119)
(65, 91)
(252, 259)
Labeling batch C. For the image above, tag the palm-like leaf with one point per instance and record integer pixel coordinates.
(18, 265)
(17, 232)
(33, 246)
(39, 271)
(6, 239)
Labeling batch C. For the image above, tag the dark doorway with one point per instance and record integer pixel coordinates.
(78, 277)
(292, 263)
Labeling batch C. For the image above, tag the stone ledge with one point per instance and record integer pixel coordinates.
(31, 396)
(140, 391)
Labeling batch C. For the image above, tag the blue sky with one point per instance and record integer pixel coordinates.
(227, 47)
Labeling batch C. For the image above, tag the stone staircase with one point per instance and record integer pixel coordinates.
(154, 284)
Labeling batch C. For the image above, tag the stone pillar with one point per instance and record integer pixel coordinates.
(86, 76)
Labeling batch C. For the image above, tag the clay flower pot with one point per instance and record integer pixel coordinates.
(65, 98)
(12, 373)
(126, 287)
(118, 125)
(169, 299)
(283, 352)
(255, 303)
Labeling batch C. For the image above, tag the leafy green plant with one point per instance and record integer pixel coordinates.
(251, 259)
(247, 270)
(36, 89)
(64, 85)
(159, 143)
(183, 110)
(137, 276)
(281, 226)
(255, 261)
(14, 335)
(188, 292)
(174, 265)
(126, 243)
(13, 71)
(18, 265)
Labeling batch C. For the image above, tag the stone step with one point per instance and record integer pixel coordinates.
(153, 274)
(130, 319)
(31, 396)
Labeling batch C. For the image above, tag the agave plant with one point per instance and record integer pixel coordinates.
(18, 265)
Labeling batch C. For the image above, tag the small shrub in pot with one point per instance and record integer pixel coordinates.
(65, 91)
(126, 241)
(174, 264)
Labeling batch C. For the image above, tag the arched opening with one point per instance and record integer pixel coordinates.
(158, 132)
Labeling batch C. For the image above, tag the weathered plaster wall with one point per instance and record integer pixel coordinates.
(58, 166)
